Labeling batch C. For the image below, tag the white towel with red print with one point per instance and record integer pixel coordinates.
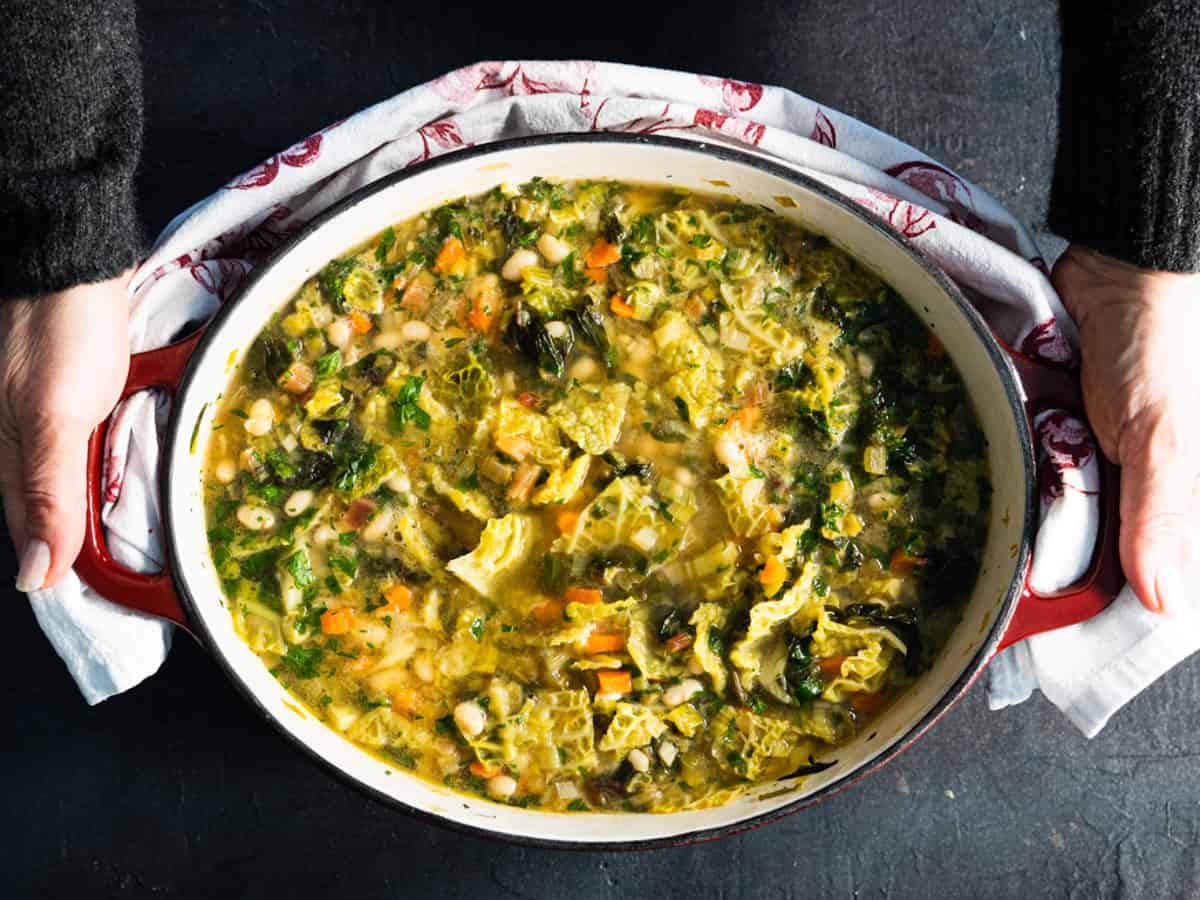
(1089, 670)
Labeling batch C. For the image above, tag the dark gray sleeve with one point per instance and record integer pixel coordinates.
(1127, 173)
(70, 136)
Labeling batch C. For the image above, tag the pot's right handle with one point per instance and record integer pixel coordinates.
(151, 593)
(1051, 387)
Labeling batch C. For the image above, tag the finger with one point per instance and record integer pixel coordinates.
(1157, 478)
(10, 493)
(52, 492)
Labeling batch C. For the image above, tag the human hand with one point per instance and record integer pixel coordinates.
(1141, 386)
(63, 360)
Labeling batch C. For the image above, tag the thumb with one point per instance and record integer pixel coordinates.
(53, 461)
(1156, 497)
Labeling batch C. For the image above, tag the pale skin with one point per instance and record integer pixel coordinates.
(63, 359)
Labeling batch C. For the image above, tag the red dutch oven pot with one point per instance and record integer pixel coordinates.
(1007, 388)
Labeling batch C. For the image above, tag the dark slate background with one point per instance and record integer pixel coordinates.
(178, 789)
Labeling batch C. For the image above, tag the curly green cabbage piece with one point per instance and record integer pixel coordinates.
(761, 656)
(870, 651)
(714, 570)
(641, 644)
(555, 727)
(418, 540)
(632, 726)
(626, 513)
(472, 502)
(583, 617)
(505, 544)
(752, 745)
(592, 417)
(710, 621)
(747, 505)
(472, 384)
(747, 327)
(563, 484)
(698, 378)
(516, 422)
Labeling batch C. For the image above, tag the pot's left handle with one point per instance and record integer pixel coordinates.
(151, 593)
(1050, 387)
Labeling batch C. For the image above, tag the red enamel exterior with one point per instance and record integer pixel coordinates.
(151, 593)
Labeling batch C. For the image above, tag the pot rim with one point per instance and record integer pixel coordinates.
(177, 433)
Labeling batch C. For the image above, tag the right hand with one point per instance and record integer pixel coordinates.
(63, 361)
(1141, 385)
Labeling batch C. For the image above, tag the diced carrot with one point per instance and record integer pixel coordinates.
(695, 308)
(869, 704)
(744, 419)
(831, 665)
(935, 349)
(621, 308)
(602, 254)
(549, 613)
(583, 595)
(452, 251)
(359, 323)
(773, 571)
(483, 312)
(614, 681)
(404, 700)
(357, 514)
(597, 275)
(523, 481)
(677, 643)
(483, 770)
(566, 520)
(604, 642)
(903, 564)
(337, 621)
(528, 399)
(297, 379)
(515, 446)
(399, 599)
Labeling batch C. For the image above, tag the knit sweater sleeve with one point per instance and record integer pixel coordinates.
(1127, 173)
(70, 136)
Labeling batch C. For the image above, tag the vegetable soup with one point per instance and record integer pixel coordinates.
(594, 496)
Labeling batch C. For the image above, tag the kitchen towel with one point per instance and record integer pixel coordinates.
(1089, 670)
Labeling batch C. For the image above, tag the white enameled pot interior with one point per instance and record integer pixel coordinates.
(680, 167)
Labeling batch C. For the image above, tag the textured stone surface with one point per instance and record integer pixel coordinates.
(178, 788)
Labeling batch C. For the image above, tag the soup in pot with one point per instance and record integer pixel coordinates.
(590, 496)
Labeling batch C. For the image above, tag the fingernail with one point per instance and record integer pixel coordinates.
(35, 563)
(1169, 588)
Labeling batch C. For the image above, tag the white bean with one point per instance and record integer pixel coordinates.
(422, 667)
(682, 692)
(226, 471)
(378, 527)
(257, 427)
(324, 534)
(501, 786)
(298, 503)
(684, 476)
(415, 330)
(470, 718)
(262, 409)
(583, 369)
(639, 760)
(387, 340)
(399, 483)
(553, 249)
(338, 332)
(256, 518)
(556, 329)
(730, 452)
(518, 263)
(667, 752)
(289, 442)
